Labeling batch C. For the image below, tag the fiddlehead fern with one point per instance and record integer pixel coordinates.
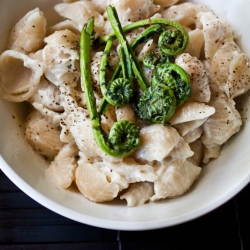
(176, 78)
(147, 34)
(171, 42)
(157, 104)
(150, 60)
(181, 34)
(165, 58)
(123, 139)
(119, 91)
(124, 136)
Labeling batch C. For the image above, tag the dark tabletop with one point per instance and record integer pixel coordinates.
(24, 224)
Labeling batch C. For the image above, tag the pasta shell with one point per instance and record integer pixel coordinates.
(63, 172)
(193, 135)
(130, 170)
(191, 111)
(198, 148)
(212, 152)
(101, 5)
(125, 112)
(64, 165)
(81, 129)
(42, 135)
(49, 101)
(64, 25)
(80, 12)
(156, 142)
(230, 71)
(38, 56)
(138, 193)
(196, 43)
(165, 3)
(198, 77)
(94, 184)
(109, 170)
(181, 151)
(225, 122)
(215, 32)
(19, 76)
(52, 116)
(174, 179)
(185, 13)
(61, 58)
(131, 11)
(186, 127)
(48, 95)
(28, 34)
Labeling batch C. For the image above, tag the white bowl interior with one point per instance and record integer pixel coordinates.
(219, 181)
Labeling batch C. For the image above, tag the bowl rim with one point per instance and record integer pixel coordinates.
(115, 224)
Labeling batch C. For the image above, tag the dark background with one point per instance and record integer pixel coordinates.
(25, 224)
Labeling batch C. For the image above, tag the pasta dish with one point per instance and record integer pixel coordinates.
(127, 99)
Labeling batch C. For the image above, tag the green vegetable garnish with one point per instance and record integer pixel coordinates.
(157, 104)
(130, 58)
(175, 78)
(156, 26)
(150, 60)
(181, 36)
(123, 138)
(119, 91)
(171, 42)
(170, 86)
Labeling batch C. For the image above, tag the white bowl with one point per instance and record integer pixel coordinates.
(219, 181)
